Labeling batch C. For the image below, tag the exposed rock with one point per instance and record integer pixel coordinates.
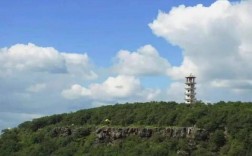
(145, 133)
(182, 153)
(109, 134)
(61, 131)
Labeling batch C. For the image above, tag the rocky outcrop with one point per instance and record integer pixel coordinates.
(61, 131)
(109, 133)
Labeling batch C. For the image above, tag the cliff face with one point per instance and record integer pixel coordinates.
(109, 134)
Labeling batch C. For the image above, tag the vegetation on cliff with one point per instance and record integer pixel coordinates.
(228, 126)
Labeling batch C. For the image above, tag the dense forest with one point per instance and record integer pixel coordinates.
(228, 126)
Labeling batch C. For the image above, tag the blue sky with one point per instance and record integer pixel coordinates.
(61, 56)
(100, 28)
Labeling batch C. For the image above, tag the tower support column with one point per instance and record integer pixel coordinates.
(190, 94)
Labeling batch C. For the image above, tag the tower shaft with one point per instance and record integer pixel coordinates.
(190, 94)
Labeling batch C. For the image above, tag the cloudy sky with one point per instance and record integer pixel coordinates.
(61, 56)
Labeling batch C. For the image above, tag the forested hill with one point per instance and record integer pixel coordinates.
(153, 128)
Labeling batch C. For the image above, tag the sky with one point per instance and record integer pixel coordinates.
(61, 56)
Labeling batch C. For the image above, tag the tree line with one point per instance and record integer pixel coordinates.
(228, 123)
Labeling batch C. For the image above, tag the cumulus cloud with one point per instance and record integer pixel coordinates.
(145, 61)
(78, 65)
(21, 57)
(237, 84)
(32, 58)
(113, 88)
(76, 91)
(175, 92)
(32, 78)
(216, 41)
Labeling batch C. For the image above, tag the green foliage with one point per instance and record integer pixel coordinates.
(229, 125)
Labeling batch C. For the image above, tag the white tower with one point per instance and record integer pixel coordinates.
(190, 89)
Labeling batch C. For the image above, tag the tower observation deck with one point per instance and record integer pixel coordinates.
(190, 89)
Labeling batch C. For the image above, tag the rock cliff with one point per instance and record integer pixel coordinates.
(108, 134)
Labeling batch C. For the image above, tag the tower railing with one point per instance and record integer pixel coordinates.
(190, 89)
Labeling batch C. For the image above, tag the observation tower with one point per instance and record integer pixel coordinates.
(190, 89)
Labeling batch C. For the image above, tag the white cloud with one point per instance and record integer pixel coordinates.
(76, 91)
(237, 84)
(179, 72)
(145, 61)
(151, 94)
(32, 58)
(215, 41)
(120, 87)
(113, 88)
(78, 65)
(29, 57)
(175, 92)
(32, 78)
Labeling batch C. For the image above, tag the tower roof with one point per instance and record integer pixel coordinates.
(190, 76)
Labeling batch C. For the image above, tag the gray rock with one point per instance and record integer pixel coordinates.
(110, 134)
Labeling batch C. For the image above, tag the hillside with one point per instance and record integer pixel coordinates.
(153, 128)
